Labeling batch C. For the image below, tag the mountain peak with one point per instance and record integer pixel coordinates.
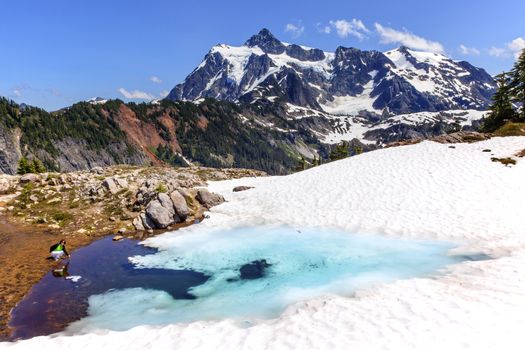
(266, 41)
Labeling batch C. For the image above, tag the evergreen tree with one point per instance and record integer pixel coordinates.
(340, 151)
(38, 166)
(24, 166)
(517, 83)
(501, 109)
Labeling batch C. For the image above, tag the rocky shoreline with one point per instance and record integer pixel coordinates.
(136, 202)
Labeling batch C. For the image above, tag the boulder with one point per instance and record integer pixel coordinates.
(147, 223)
(241, 188)
(4, 185)
(208, 199)
(29, 178)
(161, 211)
(111, 185)
(137, 223)
(122, 183)
(179, 203)
(118, 238)
(97, 170)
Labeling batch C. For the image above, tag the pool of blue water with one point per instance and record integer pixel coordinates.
(243, 274)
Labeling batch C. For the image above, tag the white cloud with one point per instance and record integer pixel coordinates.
(323, 29)
(17, 93)
(405, 38)
(498, 52)
(155, 79)
(513, 48)
(136, 94)
(295, 30)
(464, 50)
(164, 93)
(344, 28)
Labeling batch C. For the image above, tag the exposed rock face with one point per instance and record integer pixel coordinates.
(10, 152)
(401, 80)
(208, 199)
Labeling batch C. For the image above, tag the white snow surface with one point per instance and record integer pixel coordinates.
(427, 190)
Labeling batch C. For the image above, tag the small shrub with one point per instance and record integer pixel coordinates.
(61, 217)
(161, 188)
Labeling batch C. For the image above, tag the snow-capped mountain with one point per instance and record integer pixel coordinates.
(344, 82)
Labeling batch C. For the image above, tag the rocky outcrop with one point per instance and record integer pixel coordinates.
(117, 199)
(209, 199)
(402, 80)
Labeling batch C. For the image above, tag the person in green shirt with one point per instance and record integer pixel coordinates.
(59, 250)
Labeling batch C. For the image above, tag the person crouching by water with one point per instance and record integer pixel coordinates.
(59, 250)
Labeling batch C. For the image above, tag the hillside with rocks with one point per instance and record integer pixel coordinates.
(213, 133)
(121, 199)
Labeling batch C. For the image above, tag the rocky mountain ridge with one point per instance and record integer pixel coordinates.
(344, 82)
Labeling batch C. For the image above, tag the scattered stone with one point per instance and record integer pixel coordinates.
(486, 150)
(118, 238)
(54, 200)
(137, 223)
(81, 230)
(33, 198)
(97, 170)
(122, 183)
(242, 188)
(208, 199)
(10, 208)
(122, 230)
(4, 185)
(461, 136)
(112, 218)
(29, 178)
(111, 185)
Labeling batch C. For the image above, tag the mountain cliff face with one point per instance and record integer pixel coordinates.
(344, 82)
(213, 133)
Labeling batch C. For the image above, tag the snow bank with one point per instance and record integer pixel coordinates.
(426, 190)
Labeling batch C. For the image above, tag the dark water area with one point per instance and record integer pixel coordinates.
(57, 300)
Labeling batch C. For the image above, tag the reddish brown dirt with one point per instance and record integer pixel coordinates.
(23, 253)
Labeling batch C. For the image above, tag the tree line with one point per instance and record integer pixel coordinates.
(508, 103)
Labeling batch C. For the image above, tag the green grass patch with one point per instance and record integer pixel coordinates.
(511, 129)
(61, 217)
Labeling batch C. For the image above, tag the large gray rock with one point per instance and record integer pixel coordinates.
(29, 178)
(111, 185)
(4, 185)
(161, 216)
(179, 203)
(161, 211)
(208, 199)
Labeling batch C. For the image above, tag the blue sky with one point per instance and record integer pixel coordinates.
(57, 52)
